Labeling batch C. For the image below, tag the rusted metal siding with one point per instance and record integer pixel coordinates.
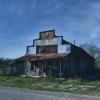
(47, 35)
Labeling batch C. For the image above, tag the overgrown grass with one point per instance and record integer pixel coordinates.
(52, 84)
(28, 82)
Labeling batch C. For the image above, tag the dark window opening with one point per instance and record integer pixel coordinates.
(47, 49)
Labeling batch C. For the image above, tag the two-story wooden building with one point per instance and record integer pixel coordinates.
(53, 56)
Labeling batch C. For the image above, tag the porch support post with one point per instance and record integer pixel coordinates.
(45, 66)
(42, 67)
(60, 70)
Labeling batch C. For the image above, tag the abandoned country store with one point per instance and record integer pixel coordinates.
(51, 55)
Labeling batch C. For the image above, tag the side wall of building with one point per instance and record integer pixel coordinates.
(84, 62)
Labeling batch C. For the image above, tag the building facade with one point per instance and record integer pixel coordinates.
(51, 55)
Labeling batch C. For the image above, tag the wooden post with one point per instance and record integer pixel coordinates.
(42, 67)
(45, 67)
(34, 68)
(60, 69)
(14, 68)
(24, 68)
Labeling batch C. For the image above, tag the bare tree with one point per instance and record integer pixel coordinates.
(91, 49)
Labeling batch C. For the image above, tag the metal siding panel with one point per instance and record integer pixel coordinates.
(64, 49)
(54, 41)
(32, 50)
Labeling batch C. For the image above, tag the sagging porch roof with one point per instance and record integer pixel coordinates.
(35, 57)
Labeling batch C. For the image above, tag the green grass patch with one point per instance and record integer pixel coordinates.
(52, 84)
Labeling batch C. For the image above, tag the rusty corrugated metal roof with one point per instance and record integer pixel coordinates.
(46, 56)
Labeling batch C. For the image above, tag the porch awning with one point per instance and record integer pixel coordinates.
(46, 56)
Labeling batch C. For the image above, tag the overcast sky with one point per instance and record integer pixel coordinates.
(22, 20)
